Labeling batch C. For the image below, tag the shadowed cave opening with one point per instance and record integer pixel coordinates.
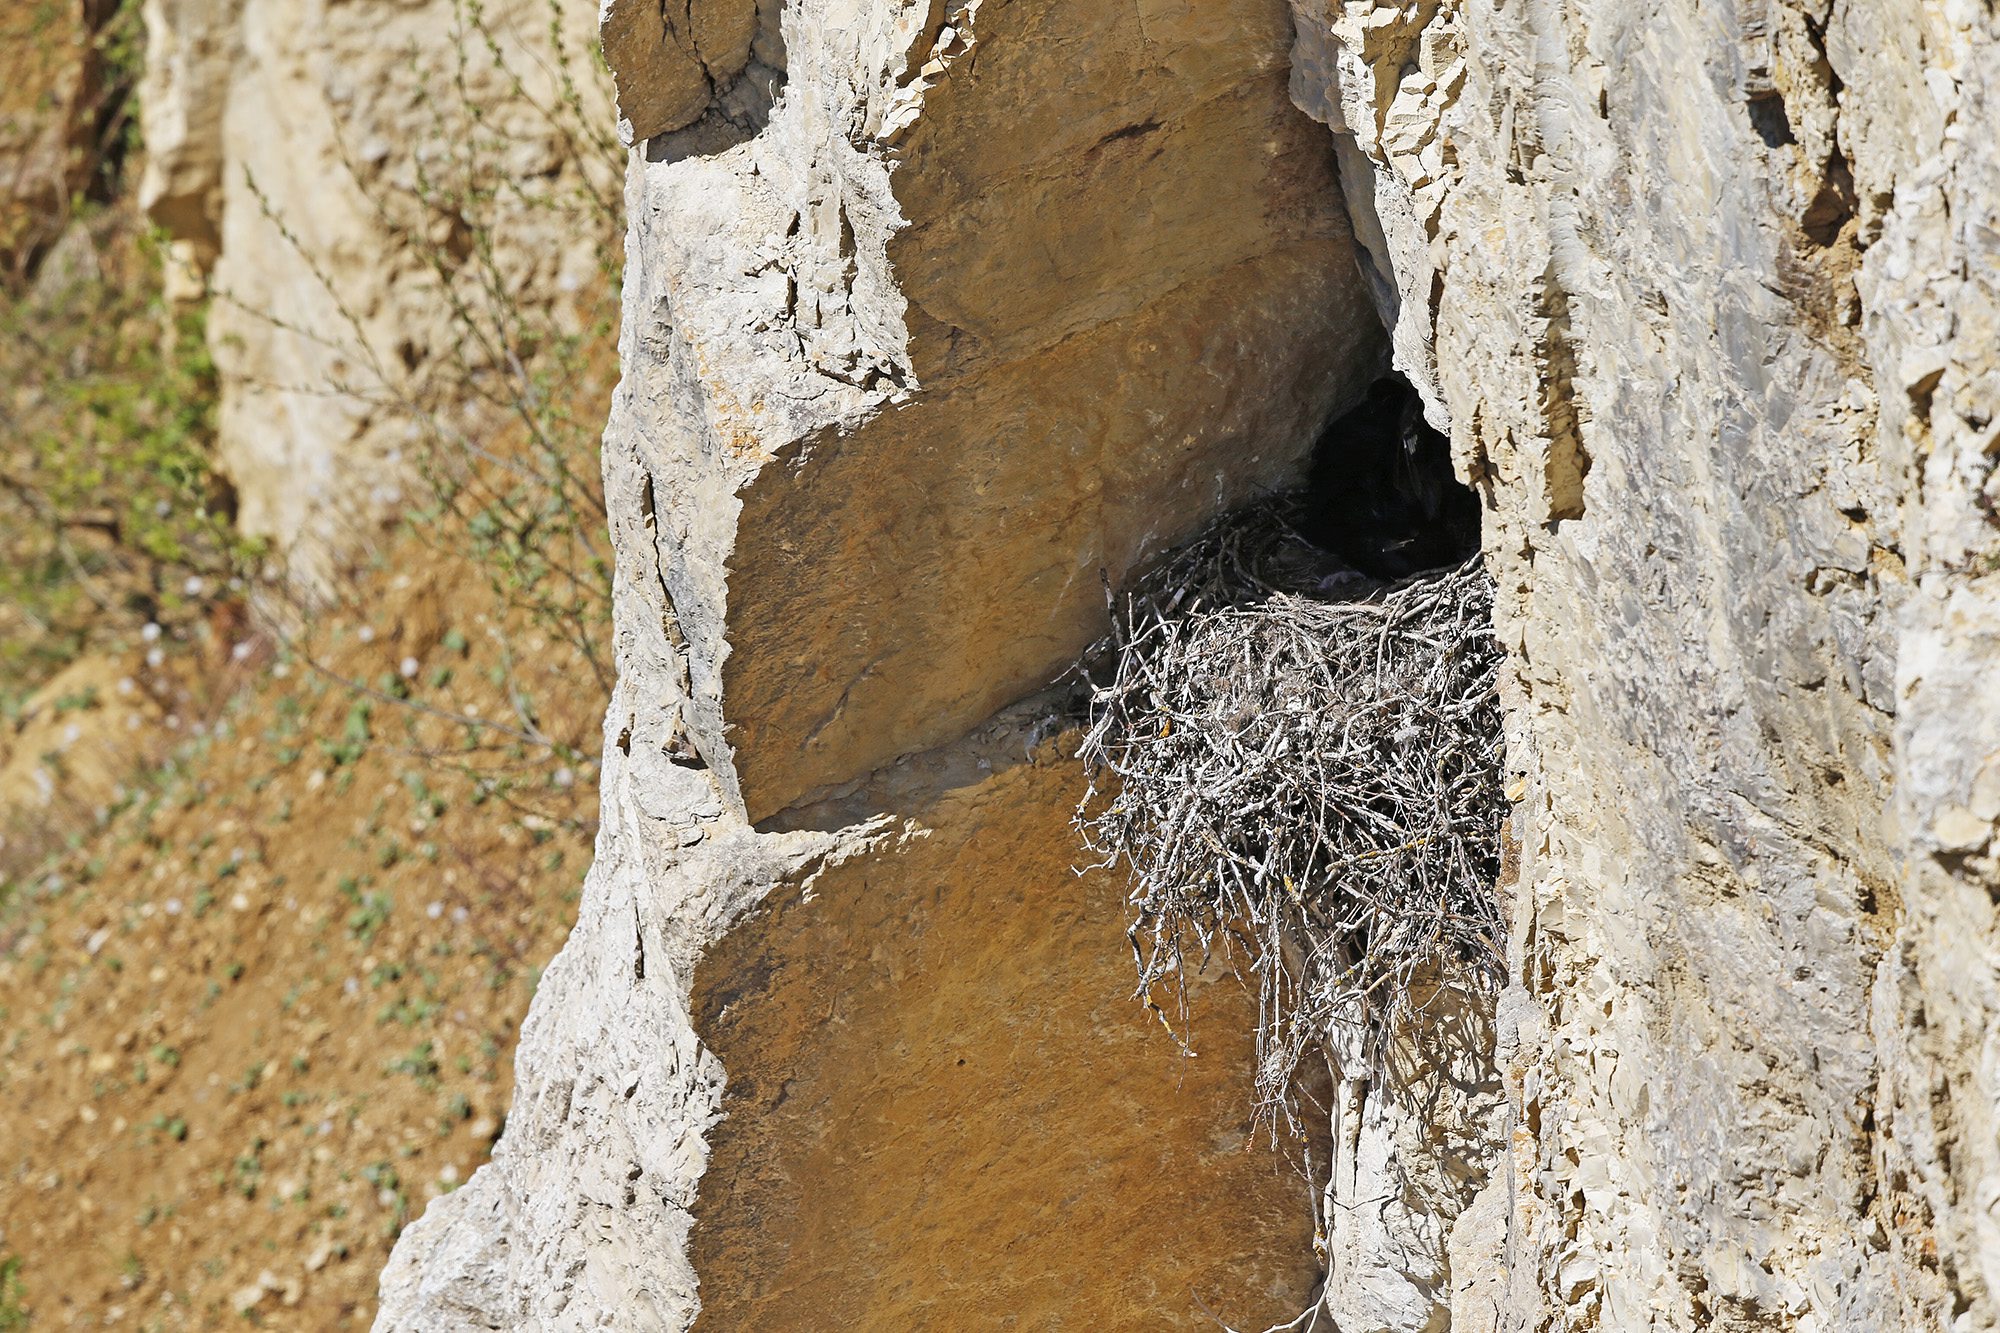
(1381, 496)
(741, 99)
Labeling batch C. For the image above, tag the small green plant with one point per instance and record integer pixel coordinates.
(355, 734)
(81, 701)
(407, 1011)
(371, 910)
(13, 1295)
(170, 1127)
(247, 1172)
(389, 1192)
(420, 1064)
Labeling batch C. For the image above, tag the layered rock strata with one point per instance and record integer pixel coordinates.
(993, 300)
(990, 304)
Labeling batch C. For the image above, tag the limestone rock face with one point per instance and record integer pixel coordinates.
(286, 144)
(996, 304)
(941, 317)
(993, 302)
(192, 46)
(1707, 296)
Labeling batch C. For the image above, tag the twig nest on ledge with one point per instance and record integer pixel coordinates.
(1307, 769)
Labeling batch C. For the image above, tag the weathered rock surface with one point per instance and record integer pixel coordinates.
(996, 304)
(999, 301)
(326, 316)
(191, 48)
(1707, 295)
(996, 300)
(943, 1104)
(55, 121)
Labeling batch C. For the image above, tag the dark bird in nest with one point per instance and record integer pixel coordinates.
(1382, 496)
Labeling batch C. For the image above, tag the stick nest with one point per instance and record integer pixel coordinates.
(1307, 772)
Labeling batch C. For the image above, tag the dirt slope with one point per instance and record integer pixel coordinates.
(250, 1027)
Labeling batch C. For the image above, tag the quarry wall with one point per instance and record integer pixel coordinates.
(941, 317)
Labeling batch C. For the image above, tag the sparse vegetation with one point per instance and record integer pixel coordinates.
(13, 1295)
(246, 1023)
(505, 410)
(113, 514)
(117, 518)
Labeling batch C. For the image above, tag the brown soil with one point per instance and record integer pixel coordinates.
(254, 1023)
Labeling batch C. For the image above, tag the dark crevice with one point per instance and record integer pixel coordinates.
(1769, 119)
(736, 116)
(1381, 495)
(638, 945)
(1137, 131)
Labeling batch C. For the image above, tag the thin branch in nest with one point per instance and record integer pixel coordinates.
(1301, 769)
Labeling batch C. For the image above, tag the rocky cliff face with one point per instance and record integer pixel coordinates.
(1704, 294)
(54, 133)
(940, 317)
(311, 165)
(904, 390)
